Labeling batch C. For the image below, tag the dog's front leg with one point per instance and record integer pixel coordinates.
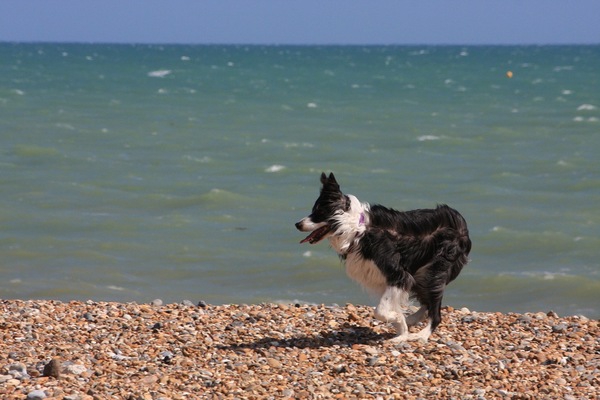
(389, 309)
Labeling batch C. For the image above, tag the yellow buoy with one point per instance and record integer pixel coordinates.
(509, 74)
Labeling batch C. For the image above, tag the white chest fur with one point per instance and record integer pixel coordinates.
(366, 273)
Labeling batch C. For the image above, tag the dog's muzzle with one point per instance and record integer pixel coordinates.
(317, 234)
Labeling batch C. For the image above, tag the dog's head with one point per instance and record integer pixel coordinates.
(324, 218)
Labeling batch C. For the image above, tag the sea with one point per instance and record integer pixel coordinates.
(176, 172)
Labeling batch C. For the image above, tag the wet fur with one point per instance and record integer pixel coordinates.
(393, 254)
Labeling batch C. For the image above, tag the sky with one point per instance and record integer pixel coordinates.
(460, 22)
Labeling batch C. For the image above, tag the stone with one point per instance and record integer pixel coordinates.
(75, 369)
(88, 316)
(36, 395)
(17, 370)
(273, 363)
(52, 369)
(560, 328)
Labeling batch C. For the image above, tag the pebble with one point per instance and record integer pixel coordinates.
(156, 302)
(273, 363)
(17, 369)
(176, 351)
(36, 395)
(560, 328)
(52, 368)
(75, 369)
(88, 316)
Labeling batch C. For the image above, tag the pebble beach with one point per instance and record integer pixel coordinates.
(104, 350)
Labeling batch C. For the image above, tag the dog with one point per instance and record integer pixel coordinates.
(395, 255)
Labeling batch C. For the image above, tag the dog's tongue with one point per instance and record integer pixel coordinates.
(316, 235)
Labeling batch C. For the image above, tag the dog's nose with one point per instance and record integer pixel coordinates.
(299, 225)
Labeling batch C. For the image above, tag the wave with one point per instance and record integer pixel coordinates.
(275, 168)
(586, 107)
(424, 138)
(160, 73)
(34, 152)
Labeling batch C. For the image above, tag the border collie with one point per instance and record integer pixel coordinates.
(392, 254)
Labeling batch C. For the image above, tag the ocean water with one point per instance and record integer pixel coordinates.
(132, 172)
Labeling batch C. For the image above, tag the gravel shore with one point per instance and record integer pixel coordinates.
(92, 350)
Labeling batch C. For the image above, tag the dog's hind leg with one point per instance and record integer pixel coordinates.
(416, 317)
(434, 318)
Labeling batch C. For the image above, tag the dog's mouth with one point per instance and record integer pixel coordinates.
(317, 235)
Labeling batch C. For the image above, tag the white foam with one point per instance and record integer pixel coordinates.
(312, 105)
(203, 160)
(586, 107)
(275, 168)
(113, 287)
(65, 126)
(563, 68)
(185, 58)
(425, 138)
(295, 144)
(160, 73)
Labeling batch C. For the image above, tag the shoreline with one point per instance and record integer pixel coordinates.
(183, 351)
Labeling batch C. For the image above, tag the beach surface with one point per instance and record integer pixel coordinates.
(103, 350)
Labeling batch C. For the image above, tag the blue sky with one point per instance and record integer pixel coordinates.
(302, 22)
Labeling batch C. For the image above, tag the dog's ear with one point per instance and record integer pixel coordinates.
(323, 178)
(329, 182)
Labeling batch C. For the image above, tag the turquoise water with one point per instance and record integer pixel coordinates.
(130, 173)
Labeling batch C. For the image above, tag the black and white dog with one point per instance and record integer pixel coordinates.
(395, 255)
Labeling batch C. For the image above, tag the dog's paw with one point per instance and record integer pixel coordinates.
(418, 337)
(409, 337)
(398, 339)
